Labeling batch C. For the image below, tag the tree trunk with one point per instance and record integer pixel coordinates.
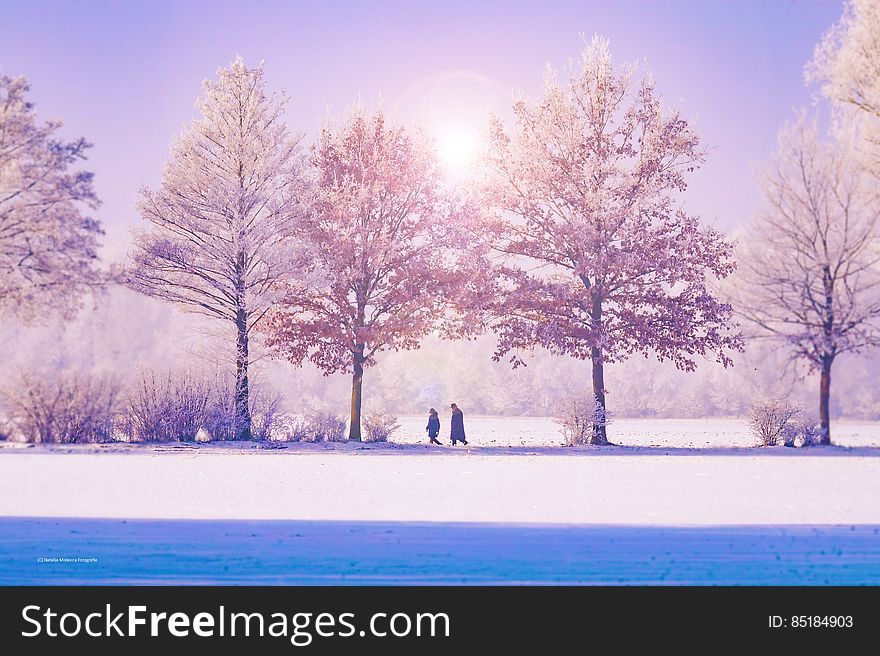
(357, 387)
(825, 400)
(827, 358)
(599, 434)
(242, 405)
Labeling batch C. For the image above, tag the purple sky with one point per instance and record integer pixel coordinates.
(125, 74)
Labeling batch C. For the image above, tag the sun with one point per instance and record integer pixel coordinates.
(457, 147)
(453, 106)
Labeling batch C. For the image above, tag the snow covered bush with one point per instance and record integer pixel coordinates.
(222, 419)
(812, 432)
(380, 426)
(326, 427)
(166, 408)
(66, 408)
(774, 421)
(313, 427)
(183, 406)
(289, 428)
(803, 431)
(579, 417)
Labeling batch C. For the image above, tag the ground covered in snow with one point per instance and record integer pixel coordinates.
(322, 553)
(681, 433)
(409, 513)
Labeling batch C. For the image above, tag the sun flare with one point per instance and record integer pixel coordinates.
(453, 107)
(457, 148)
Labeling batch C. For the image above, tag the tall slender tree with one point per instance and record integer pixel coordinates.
(394, 250)
(809, 273)
(602, 262)
(218, 239)
(48, 242)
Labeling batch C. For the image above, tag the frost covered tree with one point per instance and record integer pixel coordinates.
(809, 272)
(602, 260)
(392, 246)
(48, 243)
(846, 62)
(218, 239)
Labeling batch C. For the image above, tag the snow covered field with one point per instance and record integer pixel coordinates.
(339, 553)
(687, 433)
(505, 511)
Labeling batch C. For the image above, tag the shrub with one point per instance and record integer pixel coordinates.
(264, 412)
(187, 406)
(773, 421)
(803, 432)
(379, 426)
(313, 427)
(68, 408)
(289, 428)
(167, 408)
(221, 421)
(578, 417)
(326, 427)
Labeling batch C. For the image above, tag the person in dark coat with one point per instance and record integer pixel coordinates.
(433, 426)
(457, 433)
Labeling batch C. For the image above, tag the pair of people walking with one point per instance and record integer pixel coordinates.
(457, 427)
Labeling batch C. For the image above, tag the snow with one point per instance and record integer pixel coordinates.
(321, 553)
(678, 433)
(381, 483)
(410, 513)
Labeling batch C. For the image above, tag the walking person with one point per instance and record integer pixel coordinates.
(457, 433)
(433, 426)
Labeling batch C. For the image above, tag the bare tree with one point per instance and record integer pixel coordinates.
(809, 274)
(221, 222)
